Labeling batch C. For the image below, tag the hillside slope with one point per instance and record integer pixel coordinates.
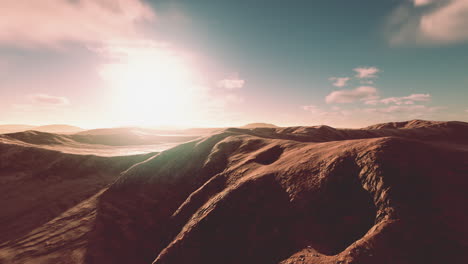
(383, 194)
(47, 201)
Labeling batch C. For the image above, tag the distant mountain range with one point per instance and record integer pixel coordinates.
(56, 128)
(68, 129)
(257, 125)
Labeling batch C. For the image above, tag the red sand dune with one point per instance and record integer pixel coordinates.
(389, 193)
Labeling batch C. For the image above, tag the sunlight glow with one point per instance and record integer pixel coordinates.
(152, 86)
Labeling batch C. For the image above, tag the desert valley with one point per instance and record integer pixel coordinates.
(387, 193)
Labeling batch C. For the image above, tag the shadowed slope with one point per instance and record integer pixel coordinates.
(38, 185)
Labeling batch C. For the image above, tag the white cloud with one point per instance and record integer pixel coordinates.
(445, 23)
(405, 100)
(366, 72)
(41, 102)
(48, 100)
(422, 2)
(326, 116)
(231, 83)
(448, 24)
(52, 22)
(339, 81)
(349, 96)
(313, 109)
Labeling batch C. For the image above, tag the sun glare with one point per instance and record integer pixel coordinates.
(152, 87)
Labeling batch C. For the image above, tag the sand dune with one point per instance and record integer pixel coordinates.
(389, 193)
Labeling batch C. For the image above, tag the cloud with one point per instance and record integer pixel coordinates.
(422, 2)
(231, 84)
(52, 22)
(366, 72)
(339, 81)
(411, 109)
(41, 102)
(406, 100)
(48, 100)
(446, 22)
(313, 109)
(349, 96)
(326, 116)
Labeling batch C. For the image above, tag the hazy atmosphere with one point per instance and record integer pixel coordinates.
(108, 63)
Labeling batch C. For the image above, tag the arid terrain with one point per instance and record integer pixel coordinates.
(388, 193)
(104, 142)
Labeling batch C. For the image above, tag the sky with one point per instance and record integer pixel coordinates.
(213, 63)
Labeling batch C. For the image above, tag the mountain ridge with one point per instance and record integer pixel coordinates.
(204, 186)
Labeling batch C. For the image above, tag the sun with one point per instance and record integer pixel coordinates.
(151, 87)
